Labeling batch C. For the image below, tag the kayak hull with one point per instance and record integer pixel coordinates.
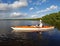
(31, 29)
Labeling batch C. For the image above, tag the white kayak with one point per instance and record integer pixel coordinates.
(32, 28)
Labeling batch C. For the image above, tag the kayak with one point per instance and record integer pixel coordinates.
(32, 28)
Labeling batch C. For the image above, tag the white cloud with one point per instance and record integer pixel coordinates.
(4, 15)
(17, 14)
(39, 2)
(30, 1)
(33, 16)
(16, 4)
(31, 8)
(20, 3)
(52, 7)
(3, 6)
(44, 1)
(7, 8)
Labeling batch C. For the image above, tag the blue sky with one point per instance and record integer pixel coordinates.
(18, 9)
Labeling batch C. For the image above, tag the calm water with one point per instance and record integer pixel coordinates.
(50, 38)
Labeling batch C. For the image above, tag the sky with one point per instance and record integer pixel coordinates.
(19, 9)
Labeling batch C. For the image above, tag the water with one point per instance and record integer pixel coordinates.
(50, 38)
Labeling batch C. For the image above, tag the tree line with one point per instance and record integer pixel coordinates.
(52, 19)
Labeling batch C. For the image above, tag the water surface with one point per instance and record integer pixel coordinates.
(50, 38)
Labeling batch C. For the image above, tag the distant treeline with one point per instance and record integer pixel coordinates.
(52, 19)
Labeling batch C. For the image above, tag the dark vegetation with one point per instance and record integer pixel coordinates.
(52, 19)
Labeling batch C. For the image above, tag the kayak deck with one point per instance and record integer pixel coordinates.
(32, 27)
